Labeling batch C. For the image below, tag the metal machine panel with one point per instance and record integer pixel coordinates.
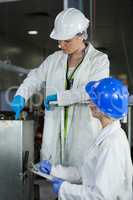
(16, 148)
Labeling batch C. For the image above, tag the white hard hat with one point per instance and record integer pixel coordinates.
(68, 23)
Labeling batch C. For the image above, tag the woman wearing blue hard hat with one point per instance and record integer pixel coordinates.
(107, 171)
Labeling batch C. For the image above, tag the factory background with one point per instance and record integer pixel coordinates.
(25, 26)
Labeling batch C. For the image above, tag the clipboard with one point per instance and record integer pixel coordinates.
(35, 170)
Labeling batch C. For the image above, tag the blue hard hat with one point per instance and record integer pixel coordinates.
(110, 96)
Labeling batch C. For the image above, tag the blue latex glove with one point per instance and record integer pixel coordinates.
(56, 184)
(48, 99)
(45, 166)
(17, 105)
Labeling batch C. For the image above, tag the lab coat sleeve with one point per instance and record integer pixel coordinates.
(109, 176)
(71, 174)
(34, 81)
(75, 192)
(100, 69)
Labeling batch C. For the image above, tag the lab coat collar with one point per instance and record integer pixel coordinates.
(90, 48)
(108, 130)
(89, 51)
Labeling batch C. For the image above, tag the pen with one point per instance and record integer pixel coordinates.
(50, 157)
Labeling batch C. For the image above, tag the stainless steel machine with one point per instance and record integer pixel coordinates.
(16, 153)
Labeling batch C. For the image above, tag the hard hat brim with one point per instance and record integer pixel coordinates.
(90, 90)
(56, 36)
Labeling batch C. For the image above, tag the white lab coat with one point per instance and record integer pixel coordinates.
(80, 121)
(107, 171)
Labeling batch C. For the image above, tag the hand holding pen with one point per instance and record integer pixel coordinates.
(46, 166)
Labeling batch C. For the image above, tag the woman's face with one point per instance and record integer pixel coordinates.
(72, 45)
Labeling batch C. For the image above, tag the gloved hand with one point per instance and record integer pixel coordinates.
(56, 184)
(45, 166)
(17, 105)
(48, 99)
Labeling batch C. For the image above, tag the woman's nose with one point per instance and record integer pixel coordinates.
(61, 43)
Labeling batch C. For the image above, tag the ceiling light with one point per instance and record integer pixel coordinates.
(33, 32)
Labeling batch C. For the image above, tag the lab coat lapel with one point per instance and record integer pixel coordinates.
(107, 131)
(63, 64)
(81, 72)
(103, 135)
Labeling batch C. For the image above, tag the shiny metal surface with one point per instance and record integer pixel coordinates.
(129, 124)
(16, 138)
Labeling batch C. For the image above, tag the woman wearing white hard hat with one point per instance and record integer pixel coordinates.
(65, 72)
